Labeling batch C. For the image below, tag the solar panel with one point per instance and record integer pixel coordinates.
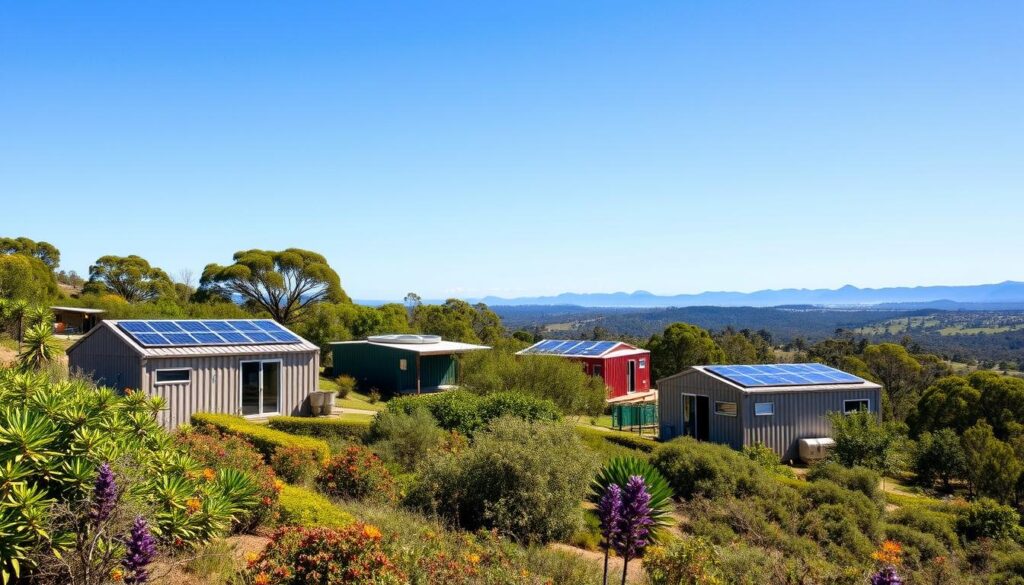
(207, 332)
(572, 347)
(756, 376)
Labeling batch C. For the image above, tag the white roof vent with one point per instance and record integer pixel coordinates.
(407, 339)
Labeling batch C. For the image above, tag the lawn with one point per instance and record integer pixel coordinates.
(354, 399)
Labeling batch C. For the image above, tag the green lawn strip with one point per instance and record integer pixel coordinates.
(354, 399)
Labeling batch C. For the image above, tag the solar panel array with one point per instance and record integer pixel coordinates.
(784, 375)
(573, 347)
(229, 332)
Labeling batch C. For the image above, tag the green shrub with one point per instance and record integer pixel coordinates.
(705, 469)
(296, 465)
(323, 428)
(359, 474)
(517, 404)
(599, 442)
(466, 413)
(985, 518)
(940, 457)
(267, 440)
(684, 561)
(303, 507)
(864, 512)
(632, 441)
(346, 385)
(938, 524)
(839, 526)
(860, 479)
(525, 479)
(405, 438)
(918, 547)
(764, 456)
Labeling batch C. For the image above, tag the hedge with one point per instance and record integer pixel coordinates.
(302, 507)
(266, 440)
(324, 428)
(616, 444)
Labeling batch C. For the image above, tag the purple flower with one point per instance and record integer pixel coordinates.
(886, 576)
(609, 511)
(635, 520)
(139, 552)
(104, 495)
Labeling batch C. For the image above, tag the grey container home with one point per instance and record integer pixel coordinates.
(772, 404)
(244, 367)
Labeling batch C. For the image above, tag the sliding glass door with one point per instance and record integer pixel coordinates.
(261, 387)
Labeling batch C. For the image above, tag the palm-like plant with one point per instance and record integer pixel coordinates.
(41, 348)
(38, 315)
(619, 470)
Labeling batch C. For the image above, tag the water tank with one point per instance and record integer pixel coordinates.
(405, 339)
(812, 450)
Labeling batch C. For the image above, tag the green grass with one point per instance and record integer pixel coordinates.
(355, 399)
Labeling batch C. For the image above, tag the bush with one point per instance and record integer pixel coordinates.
(940, 457)
(600, 442)
(705, 469)
(985, 518)
(764, 456)
(920, 547)
(374, 396)
(525, 479)
(303, 507)
(684, 561)
(938, 524)
(466, 413)
(864, 512)
(324, 556)
(322, 428)
(296, 465)
(346, 385)
(405, 438)
(266, 440)
(632, 441)
(213, 450)
(359, 474)
(859, 479)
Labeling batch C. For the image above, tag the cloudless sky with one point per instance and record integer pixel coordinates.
(520, 148)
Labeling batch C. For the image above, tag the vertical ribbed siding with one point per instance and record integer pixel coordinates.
(216, 384)
(108, 360)
(721, 429)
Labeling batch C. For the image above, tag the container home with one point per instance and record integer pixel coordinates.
(624, 368)
(75, 320)
(401, 364)
(777, 405)
(251, 368)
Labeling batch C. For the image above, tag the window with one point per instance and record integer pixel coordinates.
(764, 408)
(725, 408)
(182, 376)
(598, 370)
(851, 406)
(403, 365)
(643, 364)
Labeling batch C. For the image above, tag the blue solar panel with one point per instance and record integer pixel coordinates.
(208, 332)
(572, 347)
(754, 376)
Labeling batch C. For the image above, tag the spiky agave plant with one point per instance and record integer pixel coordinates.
(619, 470)
(41, 348)
(38, 315)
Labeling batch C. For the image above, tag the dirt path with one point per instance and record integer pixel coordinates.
(634, 575)
(165, 572)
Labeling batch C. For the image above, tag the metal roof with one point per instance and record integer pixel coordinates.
(702, 370)
(303, 346)
(79, 310)
(581, 348)
(434, 348)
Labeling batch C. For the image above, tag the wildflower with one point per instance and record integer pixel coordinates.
(193, 505)
(634, 521)
(104, 495)
(209, 474)
(117, 575)
(886, 576)
(371, 531)
(262, 579)
(251, 558)
(140, 549)
(278, 485)
(890, 553)
(473, 558)
(267, 501)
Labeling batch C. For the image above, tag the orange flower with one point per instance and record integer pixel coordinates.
(193, 505)
(262, 579)
(890, 553)
(473, 558)
(117, 575)
(209, 474)
(278, 485)
(371, 531)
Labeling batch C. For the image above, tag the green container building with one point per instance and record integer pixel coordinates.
(401, 364)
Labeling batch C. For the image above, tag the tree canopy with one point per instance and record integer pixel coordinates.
(46, 252)
(680, 346)
(284, 284)
(26, 277)
(457, 320)
(131, 277)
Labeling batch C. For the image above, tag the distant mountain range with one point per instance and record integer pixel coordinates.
(1009, 294)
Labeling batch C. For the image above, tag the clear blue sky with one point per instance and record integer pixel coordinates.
(515, 148)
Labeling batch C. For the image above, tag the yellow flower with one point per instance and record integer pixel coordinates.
(193, 505)
(209, 474)
(371, 531)
(278, 485)
(473, 558)
(251, 558)
(890, 553)
(117, 575)
(524, 573)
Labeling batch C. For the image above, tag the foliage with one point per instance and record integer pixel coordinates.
(696, 469)
(357, 473)
(764, 456)
(323, 428)
(684, 561)
(986, 518)
(562, 381)
(745, 347)
(897, 371)
(618, 471)
(862, 440)
(405, 438)
(140, 550)
(213, 450)
(303, 507)
(940, 456)
(130, 277)
(40, 349)
(611, 444)
(346, 384)
(266, 440)
(324, 556)
(859, 479)
(296, 465)
(457, 320)
(323, 323)
(466, 412)
(45, 252)
(523, 478)
(282, 283)
(27, 278)
(680, 346)
(993, 468)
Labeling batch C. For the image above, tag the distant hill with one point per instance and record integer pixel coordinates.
(1006, 294)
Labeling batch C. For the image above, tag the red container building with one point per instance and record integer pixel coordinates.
(625, 369)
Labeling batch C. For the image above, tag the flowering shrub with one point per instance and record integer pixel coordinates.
(691, 560)
(214, 450)
(322, 556)
(296, 465)
(357, 473)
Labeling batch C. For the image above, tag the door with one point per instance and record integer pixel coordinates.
(695, 416)
(261, 387)
(631, 377)
(703, 417)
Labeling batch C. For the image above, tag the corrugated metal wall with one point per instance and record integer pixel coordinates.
(108, 360)
(437, 370)
(798, 415)
(375, 366)
(615, 374)
(721, 429)
(216, 384)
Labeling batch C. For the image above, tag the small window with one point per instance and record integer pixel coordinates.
(598, 370)
(725, 408)
(852, 406)
(403, 365)
(183, 376)
(643, 364)
(764, 408)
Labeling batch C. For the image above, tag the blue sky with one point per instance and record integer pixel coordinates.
(519, 148)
